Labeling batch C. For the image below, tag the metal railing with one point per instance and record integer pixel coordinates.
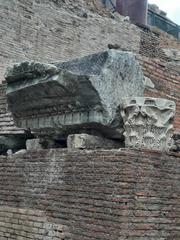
(153, 19)
(110, 3)
(164, 24)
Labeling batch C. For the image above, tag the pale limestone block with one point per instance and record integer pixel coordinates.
(148, 123)
(33, 144)
(86, 141)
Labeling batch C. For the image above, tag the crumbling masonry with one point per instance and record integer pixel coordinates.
(89, 125)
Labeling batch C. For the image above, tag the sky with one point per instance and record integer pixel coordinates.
(172, 7)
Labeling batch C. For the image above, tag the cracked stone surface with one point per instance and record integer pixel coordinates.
(62, 98)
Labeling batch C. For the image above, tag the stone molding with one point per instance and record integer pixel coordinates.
(70, 96)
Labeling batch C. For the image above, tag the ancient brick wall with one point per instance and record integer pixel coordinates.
(7, 125)
(168, 41)
(150, 45)
(52, 195)
(47, 30)
(166, 81)
(90, 195)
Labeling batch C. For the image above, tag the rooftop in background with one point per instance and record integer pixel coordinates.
(157, 10)
(159, 19)
(155, 17)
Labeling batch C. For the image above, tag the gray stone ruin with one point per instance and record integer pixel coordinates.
(148, 123)
(84, 97)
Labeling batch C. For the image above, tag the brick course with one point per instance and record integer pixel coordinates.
(7, 125)
(166, 81)
(55, 31)
(150, 45)
(122, 194)
(102, 195)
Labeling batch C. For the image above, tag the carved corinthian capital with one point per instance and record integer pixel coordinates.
(148, 123)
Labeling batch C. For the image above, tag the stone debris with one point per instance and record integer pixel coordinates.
(33, 144)
(86, 141)
(22, 151)
(9, 152)
(148, 83)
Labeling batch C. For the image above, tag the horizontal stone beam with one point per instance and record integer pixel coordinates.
(84, 93)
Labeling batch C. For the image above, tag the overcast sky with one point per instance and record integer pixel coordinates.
(172, 7)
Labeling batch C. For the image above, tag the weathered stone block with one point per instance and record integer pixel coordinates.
(148, 123)
(57, 99)
(86, 141)
(33, 144)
